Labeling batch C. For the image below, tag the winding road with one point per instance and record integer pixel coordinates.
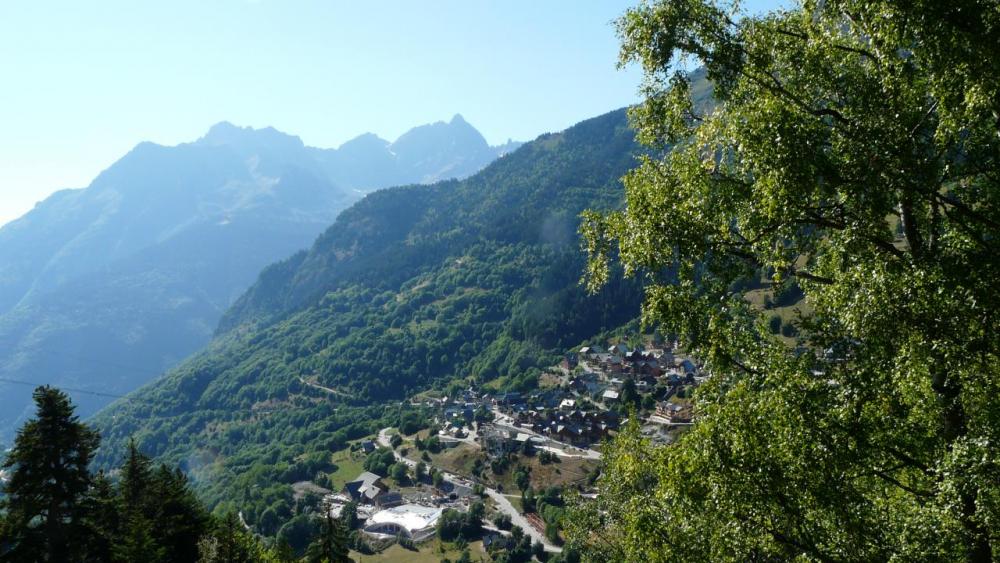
(502, 502)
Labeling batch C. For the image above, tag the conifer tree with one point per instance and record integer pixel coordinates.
(138, 540)
(332, 545)
(180, 519)
(231, 544)
(49, 478)
(102, 519)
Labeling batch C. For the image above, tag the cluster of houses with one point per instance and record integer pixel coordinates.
(618, 360)
(569, 424)
(579, 412)
(387, 513)
(498, 442)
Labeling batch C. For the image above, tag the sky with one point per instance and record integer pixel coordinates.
(84, 82)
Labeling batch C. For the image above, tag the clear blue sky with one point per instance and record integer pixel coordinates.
(83, 82)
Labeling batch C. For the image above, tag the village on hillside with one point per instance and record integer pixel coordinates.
(510, 455)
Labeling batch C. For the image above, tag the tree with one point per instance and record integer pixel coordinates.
(477, 511)
(49, 479)
(629, 395)
(528, 499)
(522, 478)
(399, 473)
(538, 550)
(479, 490)
(331, 545)
(101, 519)
(420, 471)
(137, 540)
(300, 531)
(454, 525)
(648, 402)
(349, 515)
(502, 521)
(527, 448)
(774, 324)
(818, 132)
(179, 518)
(230, 543)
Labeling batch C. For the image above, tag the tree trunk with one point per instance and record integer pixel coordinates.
(953, 427)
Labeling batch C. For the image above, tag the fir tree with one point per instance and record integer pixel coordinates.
(332, 544)
(232, 543)
(101, 519)
(138, 540)
(180, 519)
(49, 479)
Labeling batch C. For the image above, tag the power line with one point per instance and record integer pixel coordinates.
(61, 388)
(148, 374)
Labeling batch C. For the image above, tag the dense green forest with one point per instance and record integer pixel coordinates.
(410, 288)
(854, 151)
(55, 509)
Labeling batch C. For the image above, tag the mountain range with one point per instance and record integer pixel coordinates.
(411, 288)
(104, 288)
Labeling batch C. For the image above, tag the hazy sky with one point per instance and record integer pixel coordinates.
(83, 82)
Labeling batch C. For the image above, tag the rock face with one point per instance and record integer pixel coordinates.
(103, 288)
(424, 154)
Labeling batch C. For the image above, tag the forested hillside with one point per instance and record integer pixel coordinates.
(104, 288)
(410, 287)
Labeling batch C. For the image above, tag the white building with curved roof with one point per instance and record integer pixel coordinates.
(411, 520)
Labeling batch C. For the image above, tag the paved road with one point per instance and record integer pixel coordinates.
(517, 519)
(503, 504)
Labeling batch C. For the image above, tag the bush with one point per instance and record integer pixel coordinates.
(453, 525)
(400, 473)
(434, 444)
(789, 294)
(774, 324)
(788, 329)
(502, 521)
(379, 461)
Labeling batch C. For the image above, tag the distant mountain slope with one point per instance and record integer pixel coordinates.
(424, 154)
(410, 286)
(103, 288)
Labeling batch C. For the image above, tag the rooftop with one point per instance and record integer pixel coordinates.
(411, 517)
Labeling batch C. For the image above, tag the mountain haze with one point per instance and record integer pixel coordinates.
(103, 288)
(424, 154)
(410, 287)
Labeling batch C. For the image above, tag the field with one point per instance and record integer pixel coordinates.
(349, 465)
(428, 552)
(567, 471)
(460, 460)
(788, 314)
